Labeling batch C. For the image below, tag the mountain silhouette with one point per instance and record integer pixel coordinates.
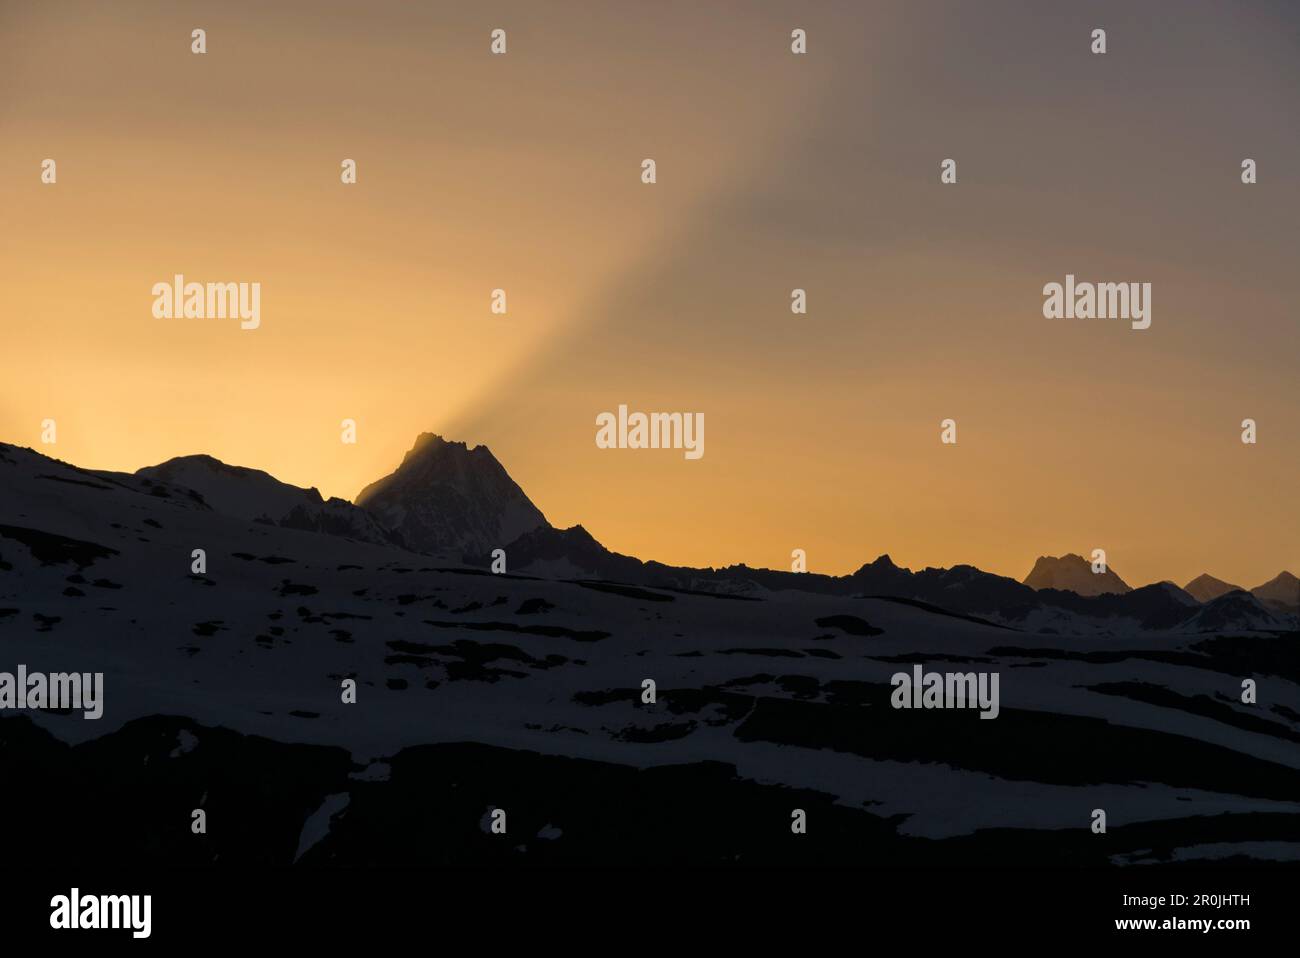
(1280, 592)
(1073, 573)
(1205, 588)
(1236, 610)
(459, 504)
(446, 498)
(225, 679)
(570, 554)
(259, 497)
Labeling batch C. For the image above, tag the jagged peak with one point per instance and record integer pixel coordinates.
(449, 495)
(1073, 573)
(1069, 558)
(427, 443)
(882, 563)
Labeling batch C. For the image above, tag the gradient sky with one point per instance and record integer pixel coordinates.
(775, 172)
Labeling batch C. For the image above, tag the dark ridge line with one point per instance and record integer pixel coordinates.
(710, 595)
(939, 610)
(75, 482)
(627, 591)
(502, 575)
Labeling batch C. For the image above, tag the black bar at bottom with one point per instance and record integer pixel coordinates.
(334, 906)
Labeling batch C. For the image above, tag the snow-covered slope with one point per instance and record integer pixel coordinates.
(528, 692)
(1237, 612)
(256, 496)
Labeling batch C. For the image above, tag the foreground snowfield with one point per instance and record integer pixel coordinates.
(782, 692)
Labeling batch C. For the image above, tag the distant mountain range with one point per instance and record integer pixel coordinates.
(1280, 592)
(1074, 573)
(1205, 588)
(459, 504)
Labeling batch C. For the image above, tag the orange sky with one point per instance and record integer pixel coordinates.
(775, 171)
